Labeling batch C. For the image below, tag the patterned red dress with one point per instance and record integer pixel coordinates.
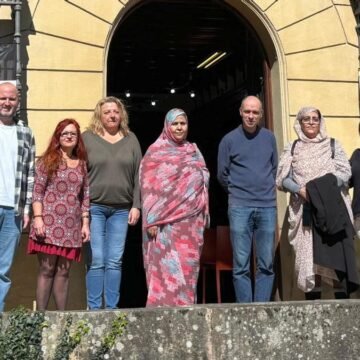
(64, 198)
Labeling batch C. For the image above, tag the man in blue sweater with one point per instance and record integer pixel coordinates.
(247, 162)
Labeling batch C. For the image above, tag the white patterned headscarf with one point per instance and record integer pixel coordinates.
(306, 146)
(303, 112)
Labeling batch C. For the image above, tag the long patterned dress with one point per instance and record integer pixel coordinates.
(312, 158)
(174, 181)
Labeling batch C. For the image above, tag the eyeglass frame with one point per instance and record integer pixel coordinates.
(315, 120)
(69, 133)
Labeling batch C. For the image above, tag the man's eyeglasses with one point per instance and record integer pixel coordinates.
(68, 133)
(306, 119)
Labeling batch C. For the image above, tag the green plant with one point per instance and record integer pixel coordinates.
(22, 337)
(68, 342)
(108, 341)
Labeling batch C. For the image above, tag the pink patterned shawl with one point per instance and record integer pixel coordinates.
(173, 179)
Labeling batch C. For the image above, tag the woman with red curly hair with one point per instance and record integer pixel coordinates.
(61, 212)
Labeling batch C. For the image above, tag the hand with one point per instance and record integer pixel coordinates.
(152, 231)
(26, 221)
(134, 215)
(302, 192)
(85, 233)
(39, 226)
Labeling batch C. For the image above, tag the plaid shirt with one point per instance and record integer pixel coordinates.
(24, 181)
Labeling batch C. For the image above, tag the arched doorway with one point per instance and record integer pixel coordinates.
(154, 62)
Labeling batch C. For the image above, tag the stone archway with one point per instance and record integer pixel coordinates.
(267, 58)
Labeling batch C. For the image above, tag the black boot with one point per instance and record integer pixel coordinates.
(313, 295)
(341, 295)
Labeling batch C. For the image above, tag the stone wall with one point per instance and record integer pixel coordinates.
(293, 330)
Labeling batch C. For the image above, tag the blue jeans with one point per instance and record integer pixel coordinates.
(10, 230)
(108, 229)
(247, 223)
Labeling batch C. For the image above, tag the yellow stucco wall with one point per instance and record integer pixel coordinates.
(315, 43)
(312, 47)
(66, 61)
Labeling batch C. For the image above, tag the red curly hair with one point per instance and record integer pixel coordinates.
(52, 158)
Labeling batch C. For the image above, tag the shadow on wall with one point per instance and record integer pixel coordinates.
(27, 29)
(23, 276)
(8, 64)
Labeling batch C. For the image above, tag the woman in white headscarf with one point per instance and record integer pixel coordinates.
(311, 156)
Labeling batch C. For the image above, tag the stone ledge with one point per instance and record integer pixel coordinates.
(289, 330)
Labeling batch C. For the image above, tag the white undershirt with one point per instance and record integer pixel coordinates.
(8, 160)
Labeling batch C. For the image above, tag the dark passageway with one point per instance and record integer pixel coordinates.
(157, 47)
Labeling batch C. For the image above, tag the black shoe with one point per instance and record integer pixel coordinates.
(341, 295)
(313, 295)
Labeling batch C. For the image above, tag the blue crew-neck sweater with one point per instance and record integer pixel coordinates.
(247, 167)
